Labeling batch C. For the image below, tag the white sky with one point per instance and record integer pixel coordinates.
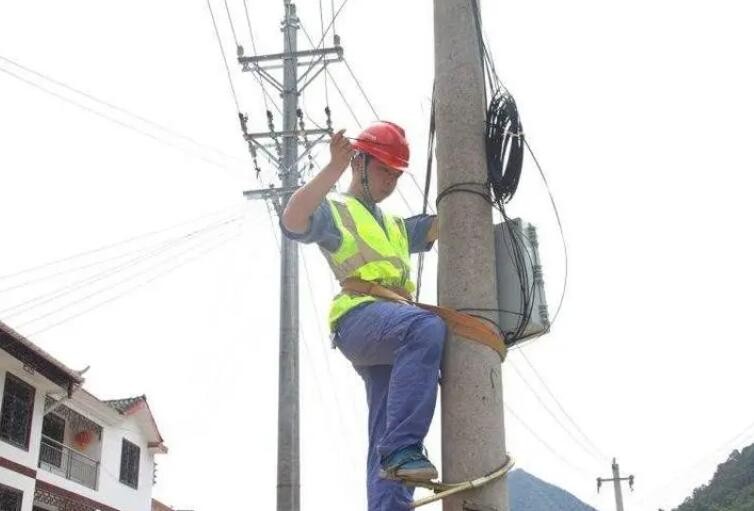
(640, 113)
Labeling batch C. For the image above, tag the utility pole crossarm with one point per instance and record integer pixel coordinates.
(269, 193)
(616, 480)
(245, 61)
(287, 134)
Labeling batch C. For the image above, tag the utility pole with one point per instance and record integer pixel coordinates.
(616, 479)
(473, 435)
(287, 160)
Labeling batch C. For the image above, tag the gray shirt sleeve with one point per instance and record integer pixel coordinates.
(417, 228)
(322, 229)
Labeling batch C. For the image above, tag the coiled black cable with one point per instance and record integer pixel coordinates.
(504, 146)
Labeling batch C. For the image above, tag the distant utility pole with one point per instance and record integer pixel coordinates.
(287, 159)
(473, 434)
(616, 479)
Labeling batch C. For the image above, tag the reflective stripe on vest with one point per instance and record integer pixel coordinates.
(367, 252)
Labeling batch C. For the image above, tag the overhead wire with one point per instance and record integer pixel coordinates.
(162, 247)
(225, 60)
(108, 287)
(322, 30)
(543, 442)
(358, 84)
(108, 246)
(325, 32)
(122, 110)
(601, 454)
(119, 122)
(265, 94)
(584, 446)
(560, 228)
(230, 22)
(138, 286)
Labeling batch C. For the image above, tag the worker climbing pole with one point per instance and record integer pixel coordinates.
(400, 346)
(396, 344)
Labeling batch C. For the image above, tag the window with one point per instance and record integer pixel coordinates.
(18, 406)
(53, 432)
(10, 499)
(129, 464)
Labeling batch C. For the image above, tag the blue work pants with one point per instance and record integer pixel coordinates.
(397, 349)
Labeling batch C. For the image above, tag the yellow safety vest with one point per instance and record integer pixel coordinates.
(367, 252)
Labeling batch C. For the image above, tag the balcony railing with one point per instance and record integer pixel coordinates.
(69, 463)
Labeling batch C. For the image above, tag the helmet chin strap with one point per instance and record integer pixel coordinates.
(365, 180)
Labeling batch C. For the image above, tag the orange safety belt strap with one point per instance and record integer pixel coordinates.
(464, 325)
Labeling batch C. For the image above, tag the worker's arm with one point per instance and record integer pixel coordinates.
(434, 230)
(302, 204)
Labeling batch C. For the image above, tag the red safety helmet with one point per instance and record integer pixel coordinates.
(386, 142)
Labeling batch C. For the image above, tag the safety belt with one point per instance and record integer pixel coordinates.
(464, 325)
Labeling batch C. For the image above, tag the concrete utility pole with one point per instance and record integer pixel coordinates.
(616, 479)
(473, 436)
(287, 160)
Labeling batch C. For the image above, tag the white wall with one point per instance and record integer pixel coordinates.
(122, 495)
(19, 482)
(110, 490)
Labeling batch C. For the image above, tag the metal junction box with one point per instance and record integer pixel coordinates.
(520, 286)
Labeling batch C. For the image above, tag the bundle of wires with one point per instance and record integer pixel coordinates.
(504, 145)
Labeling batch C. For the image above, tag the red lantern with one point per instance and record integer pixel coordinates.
(83, 438)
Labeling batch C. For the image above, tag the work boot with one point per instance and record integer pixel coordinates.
(408, 463)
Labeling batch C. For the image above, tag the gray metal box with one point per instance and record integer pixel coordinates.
(519, 281)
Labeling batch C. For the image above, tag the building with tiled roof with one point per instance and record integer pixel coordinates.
(62, 448)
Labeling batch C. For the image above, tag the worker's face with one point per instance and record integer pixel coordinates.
(382, 179)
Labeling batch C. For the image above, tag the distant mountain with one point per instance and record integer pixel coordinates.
(529, 493)
(731, 488)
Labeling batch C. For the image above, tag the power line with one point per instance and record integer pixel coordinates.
(544, 405)
(596, 449)
(121, 109)
(331, 25)
(560, 226)
(265, 95)
(115, 120)
(358, 84)
(225, 60)
(64, 290)
(230, 21)
(108, 246)
(155, 277)
(100, 291)
(542, 441)
(332, 11)
(322, 29)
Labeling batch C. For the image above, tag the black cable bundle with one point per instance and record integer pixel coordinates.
(505, 157)
(505, 146)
